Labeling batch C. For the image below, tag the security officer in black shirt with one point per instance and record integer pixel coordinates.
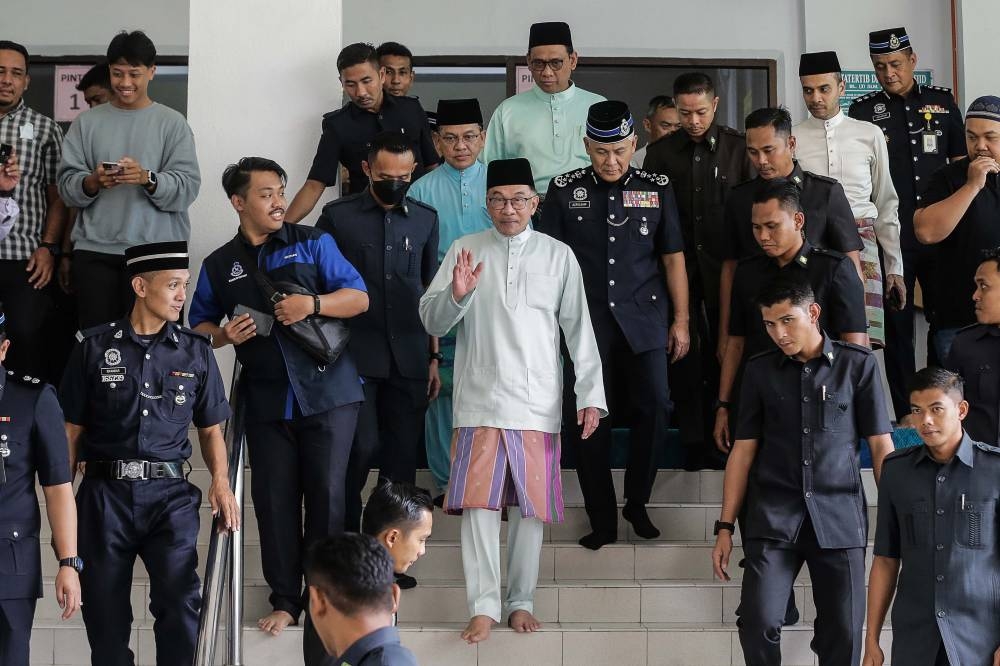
(937, 521)
(796, 465)
(131, 391)
(393, 241)
(301, 414)
(32, 441)
(975, 355)
(348, 131)
(704, 161)
(777, 225)
(622, 225)
(923, 129)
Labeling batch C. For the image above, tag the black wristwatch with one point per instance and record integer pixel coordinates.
(436, 356)
(317, 305)
(722, 404)
(54, 249)
(73, 563)
(151, 177)
(720, 525)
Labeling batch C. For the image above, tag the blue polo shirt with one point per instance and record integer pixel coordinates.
(281, 380)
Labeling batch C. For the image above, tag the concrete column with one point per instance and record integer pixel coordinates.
(977, 56)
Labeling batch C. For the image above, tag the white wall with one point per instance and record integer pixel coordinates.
(977, 21)
(253, 90)
(82, 27)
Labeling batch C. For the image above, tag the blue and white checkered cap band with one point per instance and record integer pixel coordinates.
(619, 133)
(893, 44)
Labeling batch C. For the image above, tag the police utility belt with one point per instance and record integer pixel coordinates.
(134, 470)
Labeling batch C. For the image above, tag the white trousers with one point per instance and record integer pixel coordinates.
(481, 561)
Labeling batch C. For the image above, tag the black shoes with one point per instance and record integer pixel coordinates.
(643, 526)
(595, 540)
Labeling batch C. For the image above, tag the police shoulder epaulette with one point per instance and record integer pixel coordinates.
(866, 97)
(656, 178)
(900, 453)
(85, 333)
(345, 199)
(193, 333)
(336, 112)
(565, 179)
(764, 353)
(422, 204)
(26, 380)
(746, 183)
(827, 252)
(821, 177)
(851, 345)
(939, 89)
(731, 131)
(987, 447)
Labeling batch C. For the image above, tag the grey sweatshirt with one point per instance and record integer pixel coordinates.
(159, 139)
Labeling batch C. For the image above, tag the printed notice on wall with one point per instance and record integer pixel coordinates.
(524, 80)
(68, 100)
(859, 82)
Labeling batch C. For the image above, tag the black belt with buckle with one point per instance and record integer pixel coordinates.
(135, 470)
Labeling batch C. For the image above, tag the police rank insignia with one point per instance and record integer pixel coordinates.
(112, 357)
(636, 199)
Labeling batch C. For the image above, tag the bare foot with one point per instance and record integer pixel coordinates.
(276, 621)
(478, 629)
(523, 622)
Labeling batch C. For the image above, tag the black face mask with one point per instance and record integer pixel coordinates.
(390, 192)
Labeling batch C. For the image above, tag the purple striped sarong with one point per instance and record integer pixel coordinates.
(493, 468)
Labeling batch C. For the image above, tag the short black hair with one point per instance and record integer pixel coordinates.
(236, 177)
(660, 102)
(694, 83)
(7, 45)
(782, 189)
(357, 54)
(399, 505)
(991, 254)
(134, 47)
(781, 289)
(391, 142)
(394, 49)
(770, 116)
(933, 377)
(98, 75)
(353, 571)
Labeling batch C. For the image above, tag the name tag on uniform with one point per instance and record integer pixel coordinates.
(111, 375)
(579, 204)
(641, 199)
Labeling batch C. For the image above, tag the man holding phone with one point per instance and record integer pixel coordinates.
(130, 168)
(300, 414)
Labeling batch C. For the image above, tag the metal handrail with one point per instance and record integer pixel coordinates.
(224, 567)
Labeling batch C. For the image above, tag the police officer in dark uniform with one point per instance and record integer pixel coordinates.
(796, 465)
(348, 131)
(132, 389)
(923, 128)
(392, 240)
(703, 161)
(301, 414)
(777, 224)
(975, 354)
(32, 441)
(622, 225)
(937, 520)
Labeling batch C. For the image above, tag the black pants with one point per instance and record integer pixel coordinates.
(103, 289)
(838, 580)
(636, 388)
(27, 310)
(390, 422)
(303, 458)
(16, 617)
(694, 386)
(900, 353)
(156, 520)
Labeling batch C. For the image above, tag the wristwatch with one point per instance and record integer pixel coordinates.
(720, 525)
(436, 356)
(53, 248)
(151, 178)
(72, 562)
(316, 304)
(722, 404)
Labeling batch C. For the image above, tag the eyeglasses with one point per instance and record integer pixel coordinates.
(538, 66)
(517, 203)
(452, 140)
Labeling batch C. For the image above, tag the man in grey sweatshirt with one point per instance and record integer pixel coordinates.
(130, 168)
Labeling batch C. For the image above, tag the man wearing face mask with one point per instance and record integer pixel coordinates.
(393, 241)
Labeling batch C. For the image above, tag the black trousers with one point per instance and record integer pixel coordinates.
(103, 289)
(838, 580)
(27, 310)
(16, 617)
(156, 520)
(636, 389)
(302, 458)
(390, 423)
(900, 327)
(694, 386)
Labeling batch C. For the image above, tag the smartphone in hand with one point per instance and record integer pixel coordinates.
(111, 168)
(6, 150)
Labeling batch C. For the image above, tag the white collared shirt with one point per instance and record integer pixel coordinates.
(854, 152)
(508, 372)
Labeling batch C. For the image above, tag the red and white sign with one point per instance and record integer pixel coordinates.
(524, 80)
(69, 101)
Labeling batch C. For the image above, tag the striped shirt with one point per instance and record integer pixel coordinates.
(37, 141)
